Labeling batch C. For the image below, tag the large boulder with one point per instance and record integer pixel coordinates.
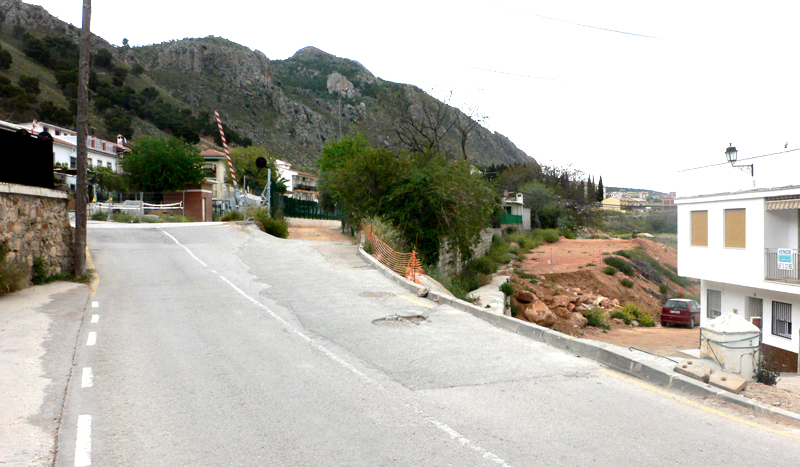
(524, 296)
(539, 313)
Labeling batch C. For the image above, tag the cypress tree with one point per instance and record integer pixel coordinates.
(600, 189)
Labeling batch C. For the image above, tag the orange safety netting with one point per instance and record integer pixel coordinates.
(405, 264)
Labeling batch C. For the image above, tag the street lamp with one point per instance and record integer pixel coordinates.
(732, 155)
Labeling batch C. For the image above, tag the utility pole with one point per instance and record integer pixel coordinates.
(83, 129)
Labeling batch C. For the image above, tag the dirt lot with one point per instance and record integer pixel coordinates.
(318, 230)
(668, 341)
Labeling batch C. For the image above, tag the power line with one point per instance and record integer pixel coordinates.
(512, 74)
(744, 159)
(584, 25)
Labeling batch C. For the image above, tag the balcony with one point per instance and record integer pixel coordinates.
(781, 268)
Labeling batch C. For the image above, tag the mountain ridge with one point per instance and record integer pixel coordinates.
(291, 106)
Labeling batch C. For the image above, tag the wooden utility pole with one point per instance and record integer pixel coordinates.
(81, 193)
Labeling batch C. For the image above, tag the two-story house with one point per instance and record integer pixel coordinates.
(743, 247)
(299, 185)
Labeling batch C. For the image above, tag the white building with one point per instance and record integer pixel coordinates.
(731, 242)
(101, 153)
(299, 185)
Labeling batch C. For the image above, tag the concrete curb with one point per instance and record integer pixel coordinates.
(612, 356)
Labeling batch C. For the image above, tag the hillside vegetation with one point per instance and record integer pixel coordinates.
(292, 106)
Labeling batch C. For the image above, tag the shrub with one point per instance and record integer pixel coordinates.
(275, 227)
(548, 235)
(483, 265)
(100, 216)
(764, 376)
(663, 289)
(610, 270)
(620, 264)
(14, 275)
(126, 218)
(567, 233)
(39, 272)
(630, 312)
(232, 216)
(507, 289)
(626, 283)
(597, 318)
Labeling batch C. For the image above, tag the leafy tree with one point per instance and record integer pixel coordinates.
(545, 205)
(50, 112)
(118, 122)
(125, 42)
(103, 59)
(163, 165)
(29, 84)
(244, 164)
(107, 180)
(425, 196)
(5, 59)
(137, 70)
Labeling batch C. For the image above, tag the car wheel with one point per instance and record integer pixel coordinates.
(663, 324)
(691, 323)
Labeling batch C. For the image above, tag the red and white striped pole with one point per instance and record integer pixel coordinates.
(227, 152)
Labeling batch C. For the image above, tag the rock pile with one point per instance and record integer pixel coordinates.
(559, 308)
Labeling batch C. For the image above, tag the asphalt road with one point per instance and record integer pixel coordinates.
(217, 345)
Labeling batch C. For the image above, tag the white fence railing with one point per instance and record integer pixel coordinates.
(136, 208)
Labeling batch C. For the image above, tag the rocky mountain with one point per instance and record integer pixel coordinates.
(291, 106)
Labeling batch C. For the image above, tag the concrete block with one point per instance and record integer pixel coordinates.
(692, 386)
(694, 369)
(615, 359)
(585, 348)
(508, 323)
(727, 381)
(647, 372)
(530, 330)
(490, 317)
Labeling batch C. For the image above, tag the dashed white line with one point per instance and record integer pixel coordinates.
(87, 380)
(95, 304)
(95, 318)
(83, 441)
(92, 339)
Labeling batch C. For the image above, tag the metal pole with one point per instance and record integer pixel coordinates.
(81, 194)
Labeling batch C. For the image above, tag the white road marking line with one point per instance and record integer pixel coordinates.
(95, 318)
(83, 441)
(215, 272)
(187, 250)
(441, 426)
(418, 302)
(95, 304)
(87, 380)
(488, 455)
(92, 339)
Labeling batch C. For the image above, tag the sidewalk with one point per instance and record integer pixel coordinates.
(38, 331)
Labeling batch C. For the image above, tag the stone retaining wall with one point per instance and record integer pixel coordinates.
(450, 261)
(34, 223)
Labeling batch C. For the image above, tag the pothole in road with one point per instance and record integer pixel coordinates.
(395, 320)
(377, 294)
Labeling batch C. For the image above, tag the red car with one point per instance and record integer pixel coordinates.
(680, 311)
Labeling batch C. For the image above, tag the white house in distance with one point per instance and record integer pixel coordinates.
(299, 185)
(743, 246)
(101, 153)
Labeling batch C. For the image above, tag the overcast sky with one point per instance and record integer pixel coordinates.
(631, 90)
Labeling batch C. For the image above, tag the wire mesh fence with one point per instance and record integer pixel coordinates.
(404, 264)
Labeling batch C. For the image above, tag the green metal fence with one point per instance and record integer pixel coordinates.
(305, 209)
(506, 218)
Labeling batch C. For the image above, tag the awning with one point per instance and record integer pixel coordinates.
(783, 204)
